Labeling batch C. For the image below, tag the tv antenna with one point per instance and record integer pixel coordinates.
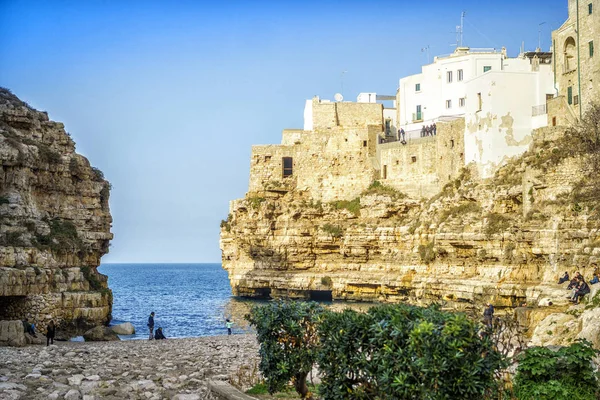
(460, 30)
(342, 81)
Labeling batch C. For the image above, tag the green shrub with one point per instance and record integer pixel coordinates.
(287, 334)
(334, 230)
(225, 223)
(353, 206)
(4, 200)
(427, 253)
(404, 352)
(378, 188)
(496, 223)
(63, 237)
(464, 208)
(326, 281)
(97, 175)
(13, 239)
(566, 374)
(48, 155)
(255, 201)
(91, 276)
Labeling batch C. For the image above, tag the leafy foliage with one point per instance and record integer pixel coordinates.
(256, 201)
(63, 237)
(459, 210)
(496, 223)
(404, 352)
(378, 188)
(4, 200)
(427, 253)
(289, 343)
(334, 230)
(566, 374)
(353, 206)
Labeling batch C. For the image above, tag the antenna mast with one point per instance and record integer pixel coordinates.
(462, 24)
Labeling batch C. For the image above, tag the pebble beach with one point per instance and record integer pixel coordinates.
(137, 369)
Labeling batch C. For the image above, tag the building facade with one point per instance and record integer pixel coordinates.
(576, 63)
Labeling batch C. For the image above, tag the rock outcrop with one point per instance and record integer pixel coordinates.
(54, 224)
(504, 240)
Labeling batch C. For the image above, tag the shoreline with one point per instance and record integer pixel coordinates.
(177, 368)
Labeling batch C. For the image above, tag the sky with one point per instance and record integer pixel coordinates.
(167, 97)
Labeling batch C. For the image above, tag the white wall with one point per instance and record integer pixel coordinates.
(503, 127)
(308, 115)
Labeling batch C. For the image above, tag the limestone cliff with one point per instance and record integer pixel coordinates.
(504, 240)
(54, 224)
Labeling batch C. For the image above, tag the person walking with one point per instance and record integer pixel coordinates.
(50, 332)
(402, 133)
(151, 325)
(228, 324)
(488, 315)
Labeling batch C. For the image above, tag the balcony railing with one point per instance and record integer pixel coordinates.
(418, 116)
(538, 110)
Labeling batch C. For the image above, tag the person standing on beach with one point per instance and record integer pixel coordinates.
(228, 324)
(50, 332)
(151, 325)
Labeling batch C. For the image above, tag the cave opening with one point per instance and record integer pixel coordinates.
(320, 295)
(13, 307)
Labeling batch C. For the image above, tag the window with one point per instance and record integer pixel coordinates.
(364, 143)
(418, 87)
(459, 74)
(461, 102)
(570, 95)
(413, 159)
(553, 121)
(449, 76)
(590, 9)
(591, 45)
(575, 100)
(267, 158)
(486, 68)
(479, 102)
(452, 143)
(448, 103)
(287, 166)
(385, 172)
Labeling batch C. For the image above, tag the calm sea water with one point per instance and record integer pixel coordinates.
(189, 299)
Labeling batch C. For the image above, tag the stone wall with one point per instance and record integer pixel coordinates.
(330, 115)
(54, 223)
(421, 167)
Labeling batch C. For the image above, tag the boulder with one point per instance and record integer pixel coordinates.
(12, 334)
(100, 334)
(125, 328)
(37, 339)
(590, 327)
(556, 329)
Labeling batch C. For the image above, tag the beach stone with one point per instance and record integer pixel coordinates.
(125, 328)
(100, 334)
(73, 394)
(75, 380)
(186, 396)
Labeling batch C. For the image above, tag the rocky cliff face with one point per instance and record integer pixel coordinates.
(504, 240)
(54, 224)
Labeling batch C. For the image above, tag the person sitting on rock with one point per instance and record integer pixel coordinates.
(158, 335)
(582, 290)
(564, 278)
(594, 279)
(29, 328)
(574, 282)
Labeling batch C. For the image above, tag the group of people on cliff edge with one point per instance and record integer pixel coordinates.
(578, 286)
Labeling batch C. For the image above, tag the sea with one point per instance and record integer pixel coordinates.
(189, 300)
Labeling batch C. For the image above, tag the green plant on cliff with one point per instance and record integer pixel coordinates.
(92, 277)
(378, 188)
(97, 175)
(289, 343)
(334, 230)
(326, 281)
(226, 223)
(63, 237)
(496, 223)
(255, 201)
(464, 208)
(48, 155)
(351, 205)
(427, 253)
(4, 200)
(565, 374)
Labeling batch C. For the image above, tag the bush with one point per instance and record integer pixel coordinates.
(496, 223)
(427, 253)
(326, 281)
(256, 201)
(63, 237)
(4, 200)
(91, 276)
(378, 188)
(461, 209)
(48, 155)
(566, 374)
(334, 230)
(97, 175)
(287, 333)
(353, 206)
(404, 352)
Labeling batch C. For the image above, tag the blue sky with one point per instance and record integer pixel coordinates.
(167, 97)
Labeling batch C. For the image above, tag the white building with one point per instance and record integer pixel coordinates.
(502, 100)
